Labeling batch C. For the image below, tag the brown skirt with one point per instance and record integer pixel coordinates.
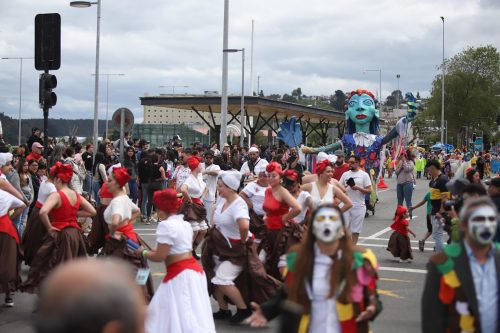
(33, 236)
(193, 212)
(279, 245)
(118, 249)
(10, 261)
(400, 246)
(257, 225)
(98, 231)
(254, 284)
(67, 245)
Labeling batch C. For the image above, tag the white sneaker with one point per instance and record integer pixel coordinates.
(9, 303)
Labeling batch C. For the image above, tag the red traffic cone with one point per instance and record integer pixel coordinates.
(382, 184)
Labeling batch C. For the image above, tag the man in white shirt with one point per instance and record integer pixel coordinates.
(248, 168)
(357, 184)
(210, 172)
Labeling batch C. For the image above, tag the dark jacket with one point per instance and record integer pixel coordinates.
(32, 139)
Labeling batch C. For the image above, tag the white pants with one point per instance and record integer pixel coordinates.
(225, 272)
(355, 217)
(209, 208)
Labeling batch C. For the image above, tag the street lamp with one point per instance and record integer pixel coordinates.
(173, 87)
(379, 81)
(242, 107)
(223, 104)
(397, 77)
(20, 91)
(107, 95)
(442, 89)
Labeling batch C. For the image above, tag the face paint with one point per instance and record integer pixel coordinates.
(327, 225)
(482, 225)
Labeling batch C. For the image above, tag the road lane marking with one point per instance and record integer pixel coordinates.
(394, 280)
(382, 191)
(381, 232)
(406, 270)
(387, 239)
(388, 293)
(382, 245)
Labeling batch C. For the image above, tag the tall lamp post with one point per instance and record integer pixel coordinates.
(107, 96)
(379, 82)
(223, 104)
(442, 90)
(399, 92)
(242, 106)
(20, 91)
(86, 4)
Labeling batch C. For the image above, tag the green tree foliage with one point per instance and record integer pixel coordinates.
(472, 82)
(337, 101)
(392, 99)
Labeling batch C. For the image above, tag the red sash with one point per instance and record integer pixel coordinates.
(238, 241)
(38, 205)
(127, 230)
(178, 267)
(7, 227)
(197, 201)
(66, 224)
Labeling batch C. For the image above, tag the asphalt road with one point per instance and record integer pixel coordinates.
(400, 284)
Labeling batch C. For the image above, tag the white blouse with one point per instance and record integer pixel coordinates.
(256, 194)
(46, 189)
(195, 186)
(225, 220)
(121, 205)
(302, 200)
(177, 233)
(8, 202)
(317, 200)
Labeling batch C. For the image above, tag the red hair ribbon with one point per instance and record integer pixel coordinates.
(292, 175)
(166, 200)
(193, 162)
(62, 171)
(321, 166)
(121, 175)
(274, 166)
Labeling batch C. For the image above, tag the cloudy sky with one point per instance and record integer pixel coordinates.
(318, 45)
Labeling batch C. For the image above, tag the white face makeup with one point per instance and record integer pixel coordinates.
(482, 225)
(327, 225)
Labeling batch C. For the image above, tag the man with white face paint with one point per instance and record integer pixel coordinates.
(462, 285)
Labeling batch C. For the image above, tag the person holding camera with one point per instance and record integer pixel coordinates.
(357, 184)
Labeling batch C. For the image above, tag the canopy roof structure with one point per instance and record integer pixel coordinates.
(265, 112)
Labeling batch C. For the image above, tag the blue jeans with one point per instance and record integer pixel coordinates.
(437, 233)
(20, 220)
(96, 186)
(87, 183)
(404, 193)
(134, 190)
(144, 202)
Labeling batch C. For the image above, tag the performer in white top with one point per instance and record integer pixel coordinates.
(210, 173)
(291, 181)
(181, 303)
(248, 168)
(254, 194)
(194, 212)
(182, 171)
(322, 192)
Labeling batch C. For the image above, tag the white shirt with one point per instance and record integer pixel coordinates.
(225, 221)
(8, 202)
(177, 233)
(195, 186)
(180, 175)
(317, 200)
(46, 189)
(361, 179)
(121, 205)
(260, 162)
(302, 200)
(211, 181)
(256, 194)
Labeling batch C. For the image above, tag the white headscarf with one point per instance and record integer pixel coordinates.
(231, 179)
(5, 158)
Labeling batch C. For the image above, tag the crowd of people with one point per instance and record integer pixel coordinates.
(268, 230)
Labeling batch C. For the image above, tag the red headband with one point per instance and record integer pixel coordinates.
(121, 176)
(62, 171)
(292, 175)
(274, 166)
(166, 200)
(360, 92)
(321, 166)
(193, 162)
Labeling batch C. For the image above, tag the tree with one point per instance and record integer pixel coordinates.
(471, 83)
(418, 95)
(337, 101)
(297, 93)
(261, 93)
(392, 99)
(288, 98)
(274, 96)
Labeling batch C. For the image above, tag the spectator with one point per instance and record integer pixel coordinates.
(144, 174)
(100, 175)
(473, 176)
(78, 170)
(36, 152)
(88, 160)
(340, 166)
(130, 164)
(405, 180)
(57, 154)
(27, 190)
(36, 180)
(293, 162)
(35, 137)
(248, 168)
(420, 166)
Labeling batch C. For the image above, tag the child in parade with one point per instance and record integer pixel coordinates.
(399, 242)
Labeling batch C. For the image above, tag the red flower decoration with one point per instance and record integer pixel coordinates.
(274, 166)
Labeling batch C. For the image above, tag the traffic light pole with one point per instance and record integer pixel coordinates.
(46, 127)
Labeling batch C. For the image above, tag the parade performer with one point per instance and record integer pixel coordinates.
(399, 242)
(10, 256)
(334, 283)
(193, 190)
(5, 167)
(99, 229)
(64, 240)
(35, 231)
(254, 194)
(292, 182)
(229, 255)
(323, 192)
(119, 215)
(361, 135)
(280, 208)
(181, 303)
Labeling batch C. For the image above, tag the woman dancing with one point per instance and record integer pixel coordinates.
(181, 303)
(99, 229)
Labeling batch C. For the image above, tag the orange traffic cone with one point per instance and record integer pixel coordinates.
(382, 184)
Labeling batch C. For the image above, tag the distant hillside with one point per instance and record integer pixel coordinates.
(57, 127)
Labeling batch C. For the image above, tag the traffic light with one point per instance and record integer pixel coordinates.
(47, 98)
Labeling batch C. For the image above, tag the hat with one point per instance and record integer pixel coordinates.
(121, 175)
(321, 166)
(339, 153)
(253, 150)
(5, 158)
(36, 145)
(226, 144)
(324, 156)
(193, 162)
(231, 179)
(456, 186)
(166, 200)
(260, 168)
